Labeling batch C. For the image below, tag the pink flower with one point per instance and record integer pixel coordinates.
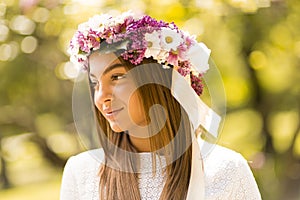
(82, 42)
(93, 39)
(182, 49)
(173, 58)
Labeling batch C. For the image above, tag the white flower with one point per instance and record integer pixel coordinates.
(198, 55)
(121, 18)
(170, 39)
(187, 34)
(162, 56)
(153, 46)
(111, 21)
(74, 60)
(166, 67)
(74, 50)
(83, 27)
(98, 22)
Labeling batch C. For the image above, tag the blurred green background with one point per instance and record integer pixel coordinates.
(255, 44)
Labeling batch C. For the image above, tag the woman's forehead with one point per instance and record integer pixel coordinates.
(99, 62)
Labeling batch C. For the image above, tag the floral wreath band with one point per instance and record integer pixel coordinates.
(141, 38)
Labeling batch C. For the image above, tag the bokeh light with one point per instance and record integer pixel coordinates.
(22, 25)
(258, 60)
(240, 127)
(62, 143)
(4, 30)
(2, 9)
(240, 91)
(66, 70)
(283, 126)
(297, 145)
(29, 44)
(41, 15)
(8, 51)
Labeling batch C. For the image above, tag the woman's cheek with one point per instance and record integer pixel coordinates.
(124, 92)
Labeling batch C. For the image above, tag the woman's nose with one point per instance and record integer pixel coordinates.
(103, 94)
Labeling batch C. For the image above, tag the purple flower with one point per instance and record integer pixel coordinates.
(121, 28)
(184, 68)
(148, 23)
(196, 83)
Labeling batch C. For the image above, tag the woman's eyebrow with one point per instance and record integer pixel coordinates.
(111, 67)
(108, 69)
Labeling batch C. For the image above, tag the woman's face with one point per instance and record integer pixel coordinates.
(115, 93)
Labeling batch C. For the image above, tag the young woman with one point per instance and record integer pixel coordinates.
(145, 82)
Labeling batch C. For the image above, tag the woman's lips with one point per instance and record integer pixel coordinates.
(112, 114)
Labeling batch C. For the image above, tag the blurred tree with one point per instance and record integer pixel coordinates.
(268, 46)
(3, 172)
(29, 86)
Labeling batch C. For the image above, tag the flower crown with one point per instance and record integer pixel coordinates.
(141, 38)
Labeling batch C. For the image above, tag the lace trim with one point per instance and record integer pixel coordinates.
(151, 184)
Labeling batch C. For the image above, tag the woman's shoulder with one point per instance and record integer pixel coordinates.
(80, 177)
(221, 158)
(218, 153)
(228, 175)
(86, 159)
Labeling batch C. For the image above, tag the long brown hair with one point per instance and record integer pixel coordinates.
(118, 174)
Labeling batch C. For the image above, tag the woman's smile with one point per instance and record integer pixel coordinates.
(111, 114)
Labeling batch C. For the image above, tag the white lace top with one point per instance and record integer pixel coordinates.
(226, 173)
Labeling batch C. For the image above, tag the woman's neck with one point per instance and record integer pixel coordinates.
(140, 144)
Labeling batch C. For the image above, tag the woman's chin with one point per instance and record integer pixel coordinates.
(115, 128)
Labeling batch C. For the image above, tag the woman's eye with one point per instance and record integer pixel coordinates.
(116, 77)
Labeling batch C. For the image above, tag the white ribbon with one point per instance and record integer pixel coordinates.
(196, 190)
(199, 114)
(198, 55)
